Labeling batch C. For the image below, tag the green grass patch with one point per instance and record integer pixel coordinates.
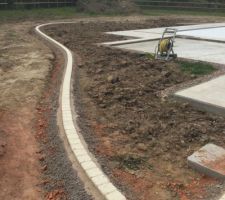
(39, 13)
(166, 11)
(48, 13)
(196, 68)
(70, 12)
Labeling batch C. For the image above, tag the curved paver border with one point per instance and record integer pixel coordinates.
(77, 145)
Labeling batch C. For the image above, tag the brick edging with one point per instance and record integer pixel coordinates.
(77, 144)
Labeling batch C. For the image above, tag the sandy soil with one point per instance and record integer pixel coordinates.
(24, 64)
(141, 140)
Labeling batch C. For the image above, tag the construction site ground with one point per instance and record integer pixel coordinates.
(140, 137)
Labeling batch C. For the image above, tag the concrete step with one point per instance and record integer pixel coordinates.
(208, 96)
(209, 160)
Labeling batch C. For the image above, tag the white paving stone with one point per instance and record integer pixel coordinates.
(83, 158)
(88, 165)
(211, 93)
(80, 152)
(73, 136)
(107, 188)
(115, 196)
(100, 180)
(76, 145)
(94, 172)
(223, 197)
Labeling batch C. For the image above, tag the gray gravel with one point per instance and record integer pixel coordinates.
(59, 168)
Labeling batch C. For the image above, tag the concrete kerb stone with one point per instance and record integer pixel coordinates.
(79, 149)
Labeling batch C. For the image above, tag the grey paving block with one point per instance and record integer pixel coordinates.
(209, 160)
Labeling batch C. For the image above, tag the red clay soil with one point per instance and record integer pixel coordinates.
(24, 67)
(19, 161)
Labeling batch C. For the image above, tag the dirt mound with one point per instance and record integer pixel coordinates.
(109, 6)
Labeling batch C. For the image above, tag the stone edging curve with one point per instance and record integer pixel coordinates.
(77, 144)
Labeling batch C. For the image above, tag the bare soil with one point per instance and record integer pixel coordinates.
(33, 161)
(141, 140)
(22, 75)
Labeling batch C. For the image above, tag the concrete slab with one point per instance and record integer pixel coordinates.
(209, 160)
(146, 33)
(203, 31)
(208, 96)
(130, 41)
(207, 34)
(136, 34)
(185, 48)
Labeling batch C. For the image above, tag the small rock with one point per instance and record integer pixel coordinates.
(134, 135)
(140, 93)
(142, 147)
(2, 148)
(130, 128)
(80, 65)
(113, 79)
(174, 194)
(116, 133)
(219, 186)
(41, 158)
(98, 71)
(102, 105)
(44, 168)
(204, 138)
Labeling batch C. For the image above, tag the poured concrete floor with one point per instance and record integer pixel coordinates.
(209, 33)
(186, 48)
(200, 30)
